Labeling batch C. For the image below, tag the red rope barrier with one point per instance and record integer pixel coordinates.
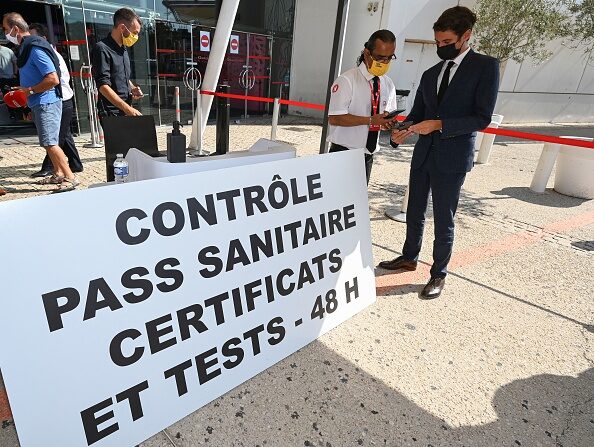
(307, 105)
(491, 130)
(540, 137)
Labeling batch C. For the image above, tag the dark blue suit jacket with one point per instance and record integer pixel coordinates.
(465, 109)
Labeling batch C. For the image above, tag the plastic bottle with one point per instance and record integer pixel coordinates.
(120, 169)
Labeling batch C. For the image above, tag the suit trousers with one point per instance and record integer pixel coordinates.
(368, 158)
(445, 191)
(66, 142)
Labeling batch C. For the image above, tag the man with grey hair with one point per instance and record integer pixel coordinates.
(40, 82)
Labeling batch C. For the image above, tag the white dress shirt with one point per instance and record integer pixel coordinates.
(457, 62)
(351, 94)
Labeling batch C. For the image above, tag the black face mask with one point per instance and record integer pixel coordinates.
(448, 52)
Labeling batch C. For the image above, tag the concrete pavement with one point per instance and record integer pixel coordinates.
(504, 358)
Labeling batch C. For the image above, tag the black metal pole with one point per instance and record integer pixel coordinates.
(339, 30)
(223, 119)
(50, 25)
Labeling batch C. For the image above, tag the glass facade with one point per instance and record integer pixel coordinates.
(171, 48)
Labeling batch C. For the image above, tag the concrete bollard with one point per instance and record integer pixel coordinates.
(574, 169)
(486, 143)
(574, 175)
(546, 162)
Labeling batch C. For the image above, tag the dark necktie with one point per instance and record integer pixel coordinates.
(373, 135)
(445, 81)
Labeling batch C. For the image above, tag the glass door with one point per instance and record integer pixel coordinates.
(174, 57)
(258, 84)
(87, 27)
(280, 69)
(74, 50)
(246, 70)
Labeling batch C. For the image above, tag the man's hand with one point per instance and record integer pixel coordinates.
(426, 127)
(388, 124)
(137, 93)
(131, 111)
(398, 136)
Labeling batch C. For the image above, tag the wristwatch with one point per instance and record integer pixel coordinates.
(31, 92)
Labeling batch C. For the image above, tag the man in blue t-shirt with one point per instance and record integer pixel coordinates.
(40, 81)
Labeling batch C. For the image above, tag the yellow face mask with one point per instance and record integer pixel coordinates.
(378, 68)
(131, 39)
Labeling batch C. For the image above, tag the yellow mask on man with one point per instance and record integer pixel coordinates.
(378, 68)
(130, 40)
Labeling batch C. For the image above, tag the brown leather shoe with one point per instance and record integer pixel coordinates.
(399, 264)
(433, 289)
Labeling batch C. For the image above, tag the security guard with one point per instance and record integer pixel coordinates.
(361, 97)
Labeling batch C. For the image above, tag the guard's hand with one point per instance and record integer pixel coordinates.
(131, 111)
(379, 120)
(398, 136)
(389, 123)
(426, 127)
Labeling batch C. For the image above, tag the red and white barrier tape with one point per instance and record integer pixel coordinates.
(491, 130)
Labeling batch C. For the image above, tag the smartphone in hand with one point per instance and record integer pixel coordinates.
(402, 125)
(392, 114)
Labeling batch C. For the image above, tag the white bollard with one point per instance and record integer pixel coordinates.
(487, 140)
(400, 214)
(546, 162)
(574, 175)
(177, 106)
(195, 146)
(478, 141)
(275, 114)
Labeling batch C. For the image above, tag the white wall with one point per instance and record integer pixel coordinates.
(559, 90)
(312, 45)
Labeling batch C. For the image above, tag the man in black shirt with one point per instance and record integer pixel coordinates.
(111, 66)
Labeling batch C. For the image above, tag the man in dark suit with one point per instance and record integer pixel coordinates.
(455, 99)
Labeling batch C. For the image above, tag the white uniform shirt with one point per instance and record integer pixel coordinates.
(67, 92)
(457, 62)
(351, 94)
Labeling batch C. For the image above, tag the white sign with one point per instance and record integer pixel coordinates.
(74, 54)
(234, 44)
(204, 40)
(145, 167)
(177, 290)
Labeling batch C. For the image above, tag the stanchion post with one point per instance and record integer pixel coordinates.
(488, 140)
(223, 118)
(195, 146)
(399, 215)
(177, 106)
(275, 113)
(88, 86)
(546, 162)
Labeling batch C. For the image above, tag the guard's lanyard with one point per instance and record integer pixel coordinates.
(375, 100)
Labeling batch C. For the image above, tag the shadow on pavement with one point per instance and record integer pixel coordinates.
(550, 198)
(584, 245)
(330, 401)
